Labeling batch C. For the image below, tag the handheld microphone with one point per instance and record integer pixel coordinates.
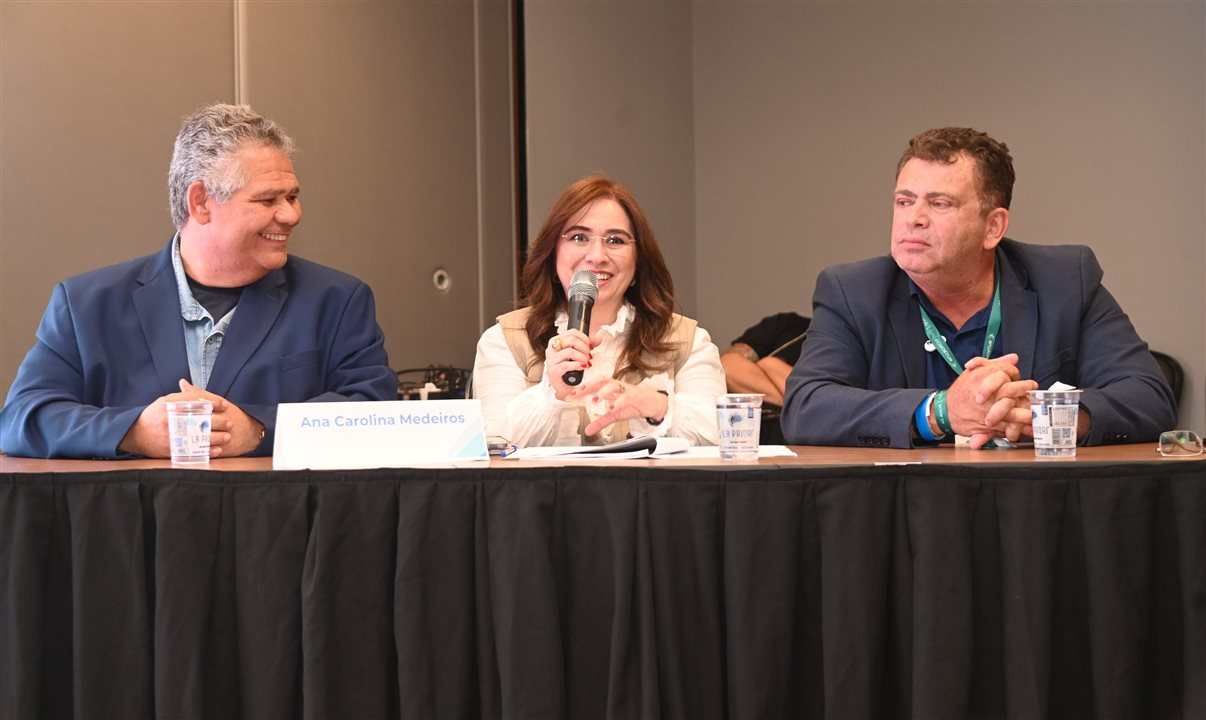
(583, 291)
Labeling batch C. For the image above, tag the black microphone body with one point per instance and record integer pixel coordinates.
(583, 289)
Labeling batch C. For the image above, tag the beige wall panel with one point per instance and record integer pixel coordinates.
(91, 97)
(380, 99)
(609, 91)
(496, 135)
(802, 109)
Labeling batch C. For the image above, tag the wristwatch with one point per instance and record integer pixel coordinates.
(650, 420)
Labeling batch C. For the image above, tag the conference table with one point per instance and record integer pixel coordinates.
(838, 583)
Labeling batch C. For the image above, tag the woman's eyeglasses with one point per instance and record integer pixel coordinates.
(1179, 443)
(614, 242)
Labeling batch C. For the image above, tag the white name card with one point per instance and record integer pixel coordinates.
(396, 433)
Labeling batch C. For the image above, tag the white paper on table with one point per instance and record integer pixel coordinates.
(641, 447)
(713, 452)
(666, 449)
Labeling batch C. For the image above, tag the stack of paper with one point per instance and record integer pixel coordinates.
(641, 447)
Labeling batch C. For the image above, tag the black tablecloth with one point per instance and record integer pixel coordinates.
(936, 591)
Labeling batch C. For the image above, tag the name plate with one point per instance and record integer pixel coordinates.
(395, 433)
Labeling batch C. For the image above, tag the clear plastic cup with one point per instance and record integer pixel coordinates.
(1053, 414)
(189, 424)
(739, 416)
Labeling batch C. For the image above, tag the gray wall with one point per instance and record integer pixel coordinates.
(402, 113)
(800, 110)
(609, 91)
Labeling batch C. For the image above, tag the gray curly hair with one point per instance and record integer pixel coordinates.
(205, 151)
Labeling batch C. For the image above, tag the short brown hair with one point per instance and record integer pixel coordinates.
(994, 164)
(652, 292)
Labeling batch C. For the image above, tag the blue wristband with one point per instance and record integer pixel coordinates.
(921, 418)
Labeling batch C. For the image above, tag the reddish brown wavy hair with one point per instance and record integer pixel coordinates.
(647, 349)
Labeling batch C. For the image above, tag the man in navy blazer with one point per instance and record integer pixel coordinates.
(222, 313)
(1014, 317)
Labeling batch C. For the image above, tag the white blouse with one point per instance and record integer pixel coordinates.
(533, 416)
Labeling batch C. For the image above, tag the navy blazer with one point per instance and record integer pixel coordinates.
(112, 341)
(862, 370)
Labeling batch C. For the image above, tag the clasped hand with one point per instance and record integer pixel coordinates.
(232, 431)
(988, 400)
(571, 351)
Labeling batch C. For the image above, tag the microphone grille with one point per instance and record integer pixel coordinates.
(584, 282)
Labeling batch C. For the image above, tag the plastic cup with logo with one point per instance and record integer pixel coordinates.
(739, 416)
(189, 424)
(1053, 414)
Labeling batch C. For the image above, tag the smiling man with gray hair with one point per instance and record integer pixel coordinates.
(222, 313)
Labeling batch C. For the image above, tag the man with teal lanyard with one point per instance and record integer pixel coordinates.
(945, 336)
(984, 324)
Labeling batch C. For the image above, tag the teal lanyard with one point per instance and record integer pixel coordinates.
(990, 338)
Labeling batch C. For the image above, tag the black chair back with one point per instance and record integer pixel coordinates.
(770, 432)
(1172, 373)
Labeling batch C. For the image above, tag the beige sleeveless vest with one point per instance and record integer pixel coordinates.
(682, 337)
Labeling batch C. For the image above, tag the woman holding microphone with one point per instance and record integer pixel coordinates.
(645, 370)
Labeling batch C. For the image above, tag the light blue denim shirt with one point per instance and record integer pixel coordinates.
(202, 336)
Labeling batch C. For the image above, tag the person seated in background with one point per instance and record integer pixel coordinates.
(759, 362)
(946, 335)
(222, 313)
(647, 370)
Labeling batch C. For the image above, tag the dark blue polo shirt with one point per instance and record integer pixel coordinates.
(966, 343)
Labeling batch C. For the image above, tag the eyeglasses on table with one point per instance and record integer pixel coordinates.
(1179, 443)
